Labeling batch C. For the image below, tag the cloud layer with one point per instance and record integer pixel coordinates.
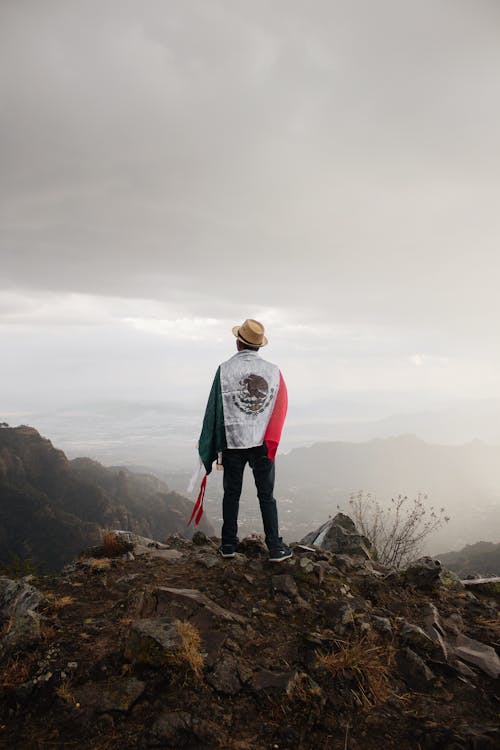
(171, 168)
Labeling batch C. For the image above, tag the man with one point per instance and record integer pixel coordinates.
(243, 422)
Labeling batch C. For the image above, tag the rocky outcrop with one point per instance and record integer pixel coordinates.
(423, 573)
(19, 619)
(341, 536)
(142, 651)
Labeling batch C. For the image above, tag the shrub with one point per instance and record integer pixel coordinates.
(397, 530)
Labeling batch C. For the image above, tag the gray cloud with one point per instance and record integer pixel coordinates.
(333, 163)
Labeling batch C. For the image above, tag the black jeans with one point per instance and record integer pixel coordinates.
(234, 461)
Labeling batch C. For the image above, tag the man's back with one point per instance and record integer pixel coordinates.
(249, 386)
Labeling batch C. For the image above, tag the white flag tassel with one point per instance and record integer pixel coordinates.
(194, 481)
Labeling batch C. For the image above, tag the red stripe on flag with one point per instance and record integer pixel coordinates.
(274, 429)
(198, 506)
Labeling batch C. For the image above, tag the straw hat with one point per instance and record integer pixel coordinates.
(251, 332)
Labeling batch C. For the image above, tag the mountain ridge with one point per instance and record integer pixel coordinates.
(52, 508)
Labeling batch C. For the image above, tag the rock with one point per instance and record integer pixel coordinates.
(435, 628)
(463, 669)
(18, 602)
(213, 637)
(172, 727)
(253, 546)
(413, 635)
(265, 679)
(415, 672)
(153, 642)
(454, 623)
(186, 602)
(244, 672)
(339, 615)
(340, 535)
(17, 597)
(479, 654)
(285, 584)
(423, 573)
(164, 554)
(306, 564)
(383, 626)
(200, 539)
(451, 580)
(115, 695)
(225, 677)
(137, 540)
(208, 560)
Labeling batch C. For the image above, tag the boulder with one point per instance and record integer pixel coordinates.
(225, 677)
(152, 642)
(340, 536)
(478, 654)
(18, 616)
(184, 603)
(423, 573)
(413, 635)
(414, 670)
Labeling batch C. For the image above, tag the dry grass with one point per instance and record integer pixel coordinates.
(65, 694)
(6, 627)
(14, 672)
(303, 689)
(48, 632)
(191, 642)
(114, 545)
(366, 664)
(100, 563)
(59, 602)
(493, 623)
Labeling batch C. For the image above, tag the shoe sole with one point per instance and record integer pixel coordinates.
(231, 554)
(280, 559)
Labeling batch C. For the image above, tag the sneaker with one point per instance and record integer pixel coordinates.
(282, 553)
(227, 550)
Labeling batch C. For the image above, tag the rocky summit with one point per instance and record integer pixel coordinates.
(145, 645)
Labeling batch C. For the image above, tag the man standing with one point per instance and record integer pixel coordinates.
(243, 422)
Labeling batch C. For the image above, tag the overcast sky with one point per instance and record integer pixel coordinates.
(168, 169)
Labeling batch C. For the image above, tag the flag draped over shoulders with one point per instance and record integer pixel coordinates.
(246, 407)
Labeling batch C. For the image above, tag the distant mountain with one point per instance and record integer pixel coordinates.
(163, 435)
(481, 559)
(52, 508)
(465, 479)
